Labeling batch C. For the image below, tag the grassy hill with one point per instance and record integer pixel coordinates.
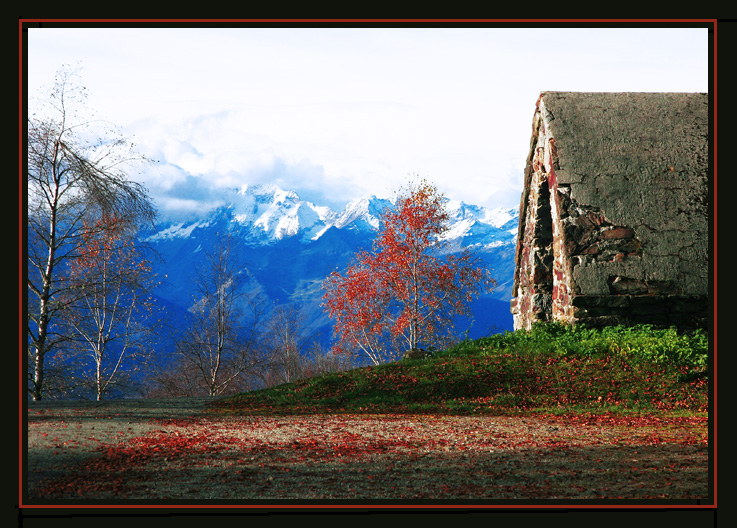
(551, 369)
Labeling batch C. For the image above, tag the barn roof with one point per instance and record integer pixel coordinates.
(634, 155)
(611, 132)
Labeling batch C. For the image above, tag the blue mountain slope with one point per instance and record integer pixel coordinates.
(287, 261)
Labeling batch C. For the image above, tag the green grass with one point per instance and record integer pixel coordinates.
(550, 369)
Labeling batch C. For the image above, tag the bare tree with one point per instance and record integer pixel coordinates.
(76, 170)
(284, 342)
(220, 345)
(293, 349)
(318, 361)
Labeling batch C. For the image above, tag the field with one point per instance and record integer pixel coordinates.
(487, 422)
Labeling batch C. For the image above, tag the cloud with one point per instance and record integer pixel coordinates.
(340, 112)
(244, 146)
(202, 159)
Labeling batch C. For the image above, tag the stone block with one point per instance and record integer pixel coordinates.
(626, 286)
(617, 233)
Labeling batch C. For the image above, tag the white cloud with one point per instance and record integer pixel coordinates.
(336, 113)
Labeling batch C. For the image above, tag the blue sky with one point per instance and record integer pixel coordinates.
(337, 113)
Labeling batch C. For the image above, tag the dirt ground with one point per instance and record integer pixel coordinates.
(63, 434)
(171, 450)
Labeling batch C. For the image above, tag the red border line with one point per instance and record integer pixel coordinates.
(22, 392)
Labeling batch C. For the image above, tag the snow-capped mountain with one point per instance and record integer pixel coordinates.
(271, 213)
(288, 246)
(362, 214)
(479, 227)
(260, 214)
(266, 214)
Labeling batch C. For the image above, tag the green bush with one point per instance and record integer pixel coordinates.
(642, 343)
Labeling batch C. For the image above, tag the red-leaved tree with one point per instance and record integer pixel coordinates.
(405, 294)
(108, 304)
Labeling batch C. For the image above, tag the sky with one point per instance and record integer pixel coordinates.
(338, 113)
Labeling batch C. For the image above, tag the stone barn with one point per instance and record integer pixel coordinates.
(614, 215)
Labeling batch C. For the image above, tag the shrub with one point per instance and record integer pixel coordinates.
(641, 343)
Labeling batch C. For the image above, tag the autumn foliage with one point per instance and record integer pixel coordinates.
(553, 413)
(404, 294)
(107, 303)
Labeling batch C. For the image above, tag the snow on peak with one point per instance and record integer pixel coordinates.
(265, 213)
(461, 211)
(290, 221)
(364, 211)
(268, 193)
(270, 212)
(178, 230)
(477, 225)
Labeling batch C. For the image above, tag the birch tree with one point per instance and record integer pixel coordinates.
(110, 313)
(77, 170)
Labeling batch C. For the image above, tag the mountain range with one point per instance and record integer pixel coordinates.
(288, 246)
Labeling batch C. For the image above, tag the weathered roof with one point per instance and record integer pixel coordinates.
(615, 132)
(611, 145)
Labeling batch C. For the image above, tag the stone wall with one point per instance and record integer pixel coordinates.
(614, 216)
